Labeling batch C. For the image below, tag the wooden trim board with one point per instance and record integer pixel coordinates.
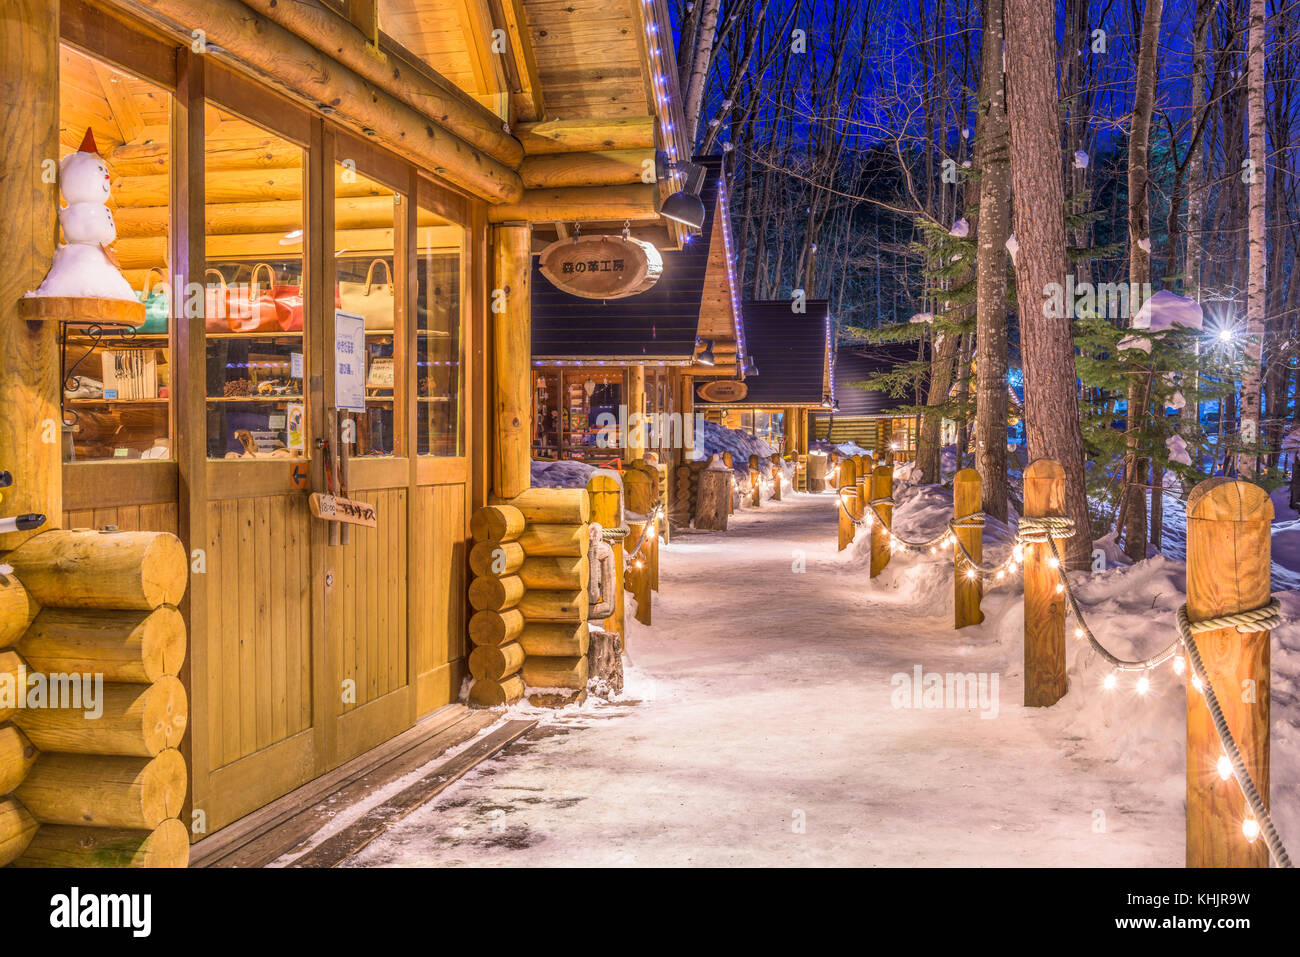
(338, 848)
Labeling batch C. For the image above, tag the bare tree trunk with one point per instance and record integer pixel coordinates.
(1256, 283)
(991, 270)
(1038, 219)
(702, 57)
(1196, 186)
(1139, 273)
(929, 441)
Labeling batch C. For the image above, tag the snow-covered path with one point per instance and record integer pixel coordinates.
(759, 727)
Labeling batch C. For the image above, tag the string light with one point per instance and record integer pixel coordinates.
(1110, 682)
(1250, 827)
(1224, 767)
(1143, 685)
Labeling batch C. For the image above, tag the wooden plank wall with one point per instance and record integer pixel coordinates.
(370, 587)
(259, 619)
(158, 517)
(439, 606)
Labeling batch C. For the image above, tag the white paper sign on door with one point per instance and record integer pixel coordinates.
(349, 362)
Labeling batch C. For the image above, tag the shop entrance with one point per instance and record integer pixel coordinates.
(309, 643)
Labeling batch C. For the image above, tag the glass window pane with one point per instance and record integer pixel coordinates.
(254, 305)
(439, 357)
(369, 286)
(117, 381)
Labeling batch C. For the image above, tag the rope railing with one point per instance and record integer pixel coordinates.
(1045, 530)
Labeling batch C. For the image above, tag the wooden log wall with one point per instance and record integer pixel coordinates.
(95, 611)
(686, 488)
(529, 594)
(555, 603)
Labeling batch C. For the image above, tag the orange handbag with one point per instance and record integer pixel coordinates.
(251, 307)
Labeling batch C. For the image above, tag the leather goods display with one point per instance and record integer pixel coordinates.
(373, 301)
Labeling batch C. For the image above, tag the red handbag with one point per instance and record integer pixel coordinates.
(251, 308)
(288, 307)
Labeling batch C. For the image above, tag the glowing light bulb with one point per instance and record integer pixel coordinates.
(1224, 767)
(970, 573)
(1018, 554)
(1250, 827)
(1053, 562)
(1078, 632)
(1059, 588)
(999, 575)
(1196, 683)
(1144, 685)
(1109, 683)
(1180, 665)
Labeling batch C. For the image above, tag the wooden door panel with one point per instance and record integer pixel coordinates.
(439, 605)
(371, 593)
(259, 679)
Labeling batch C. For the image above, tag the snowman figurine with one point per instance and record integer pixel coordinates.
(84, 267)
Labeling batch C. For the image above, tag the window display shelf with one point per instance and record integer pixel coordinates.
(69, 400)
(254, 398)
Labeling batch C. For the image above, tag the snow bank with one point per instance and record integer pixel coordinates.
(561, 474)
(714, 439)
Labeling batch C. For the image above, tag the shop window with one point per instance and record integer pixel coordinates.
(254, 302)
(589, 417)
(370, 285)
(117, 380)
(439, 342)
(546, 414)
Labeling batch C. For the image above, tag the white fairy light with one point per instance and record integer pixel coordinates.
(1053, 562)
(1018, 554)
(1109, 683)
(1180, 665)
(1250, 827)
(1144, 685)
(1059, 588)
(1224, 767)
(970, 573)
(1078, 632)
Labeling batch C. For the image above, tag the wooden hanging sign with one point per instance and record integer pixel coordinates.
(723, 390)
(601, 267)
(332, 508)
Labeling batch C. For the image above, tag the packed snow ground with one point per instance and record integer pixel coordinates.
(761, 724)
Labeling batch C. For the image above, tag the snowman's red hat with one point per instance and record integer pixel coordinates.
(88, 143)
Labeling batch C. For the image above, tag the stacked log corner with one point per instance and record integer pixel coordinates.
(494, 593)
(530, 597)
(555, 573)
(98, 783)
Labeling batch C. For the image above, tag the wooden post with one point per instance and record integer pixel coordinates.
(636, 424)
(1228, 570)
(966, 591)
(862, 473)
(755, 489)
(882, 486)
(603, 490)
(730, 463)
(1044, 605)
(638, 574)
(31, 427)
(713, 497)
(512, 355)
(818, 466)
(851, 505)
(778, 477)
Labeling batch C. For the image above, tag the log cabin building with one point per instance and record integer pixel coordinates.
(868, 418)
(790, 375)
(641, 352)
(329, 209)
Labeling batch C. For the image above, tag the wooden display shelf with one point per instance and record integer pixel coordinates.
(254, 398)
(254, 335)
(79, 400)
